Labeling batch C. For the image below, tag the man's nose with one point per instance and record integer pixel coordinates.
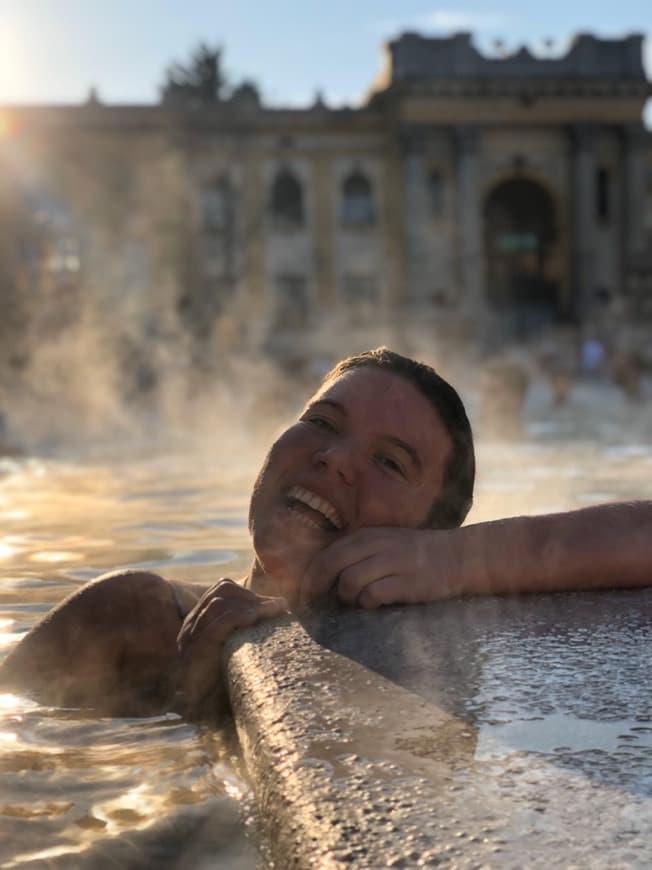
(340, 459)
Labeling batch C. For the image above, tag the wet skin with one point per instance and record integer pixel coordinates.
(369, 450)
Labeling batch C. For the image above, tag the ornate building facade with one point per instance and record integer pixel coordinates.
(487, 196)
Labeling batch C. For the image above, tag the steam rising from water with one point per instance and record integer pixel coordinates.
(90, 389)
(110, 385)
(118, 378)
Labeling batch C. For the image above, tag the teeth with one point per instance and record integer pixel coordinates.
(317, 503)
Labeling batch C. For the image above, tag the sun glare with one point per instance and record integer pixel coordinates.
(8, 738)
(15, 74)
(8, 701)
(7, 125)
(6, 550)
(55, 556)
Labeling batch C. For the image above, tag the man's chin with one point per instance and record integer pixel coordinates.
(285, 544)
(276, 586)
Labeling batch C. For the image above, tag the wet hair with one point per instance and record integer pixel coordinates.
(456, 497)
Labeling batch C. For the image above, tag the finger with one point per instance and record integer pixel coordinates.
(317, 580)
(220, 618)
(223, 590)
(229, 589)
(385, 590)
(331, 561)
(355, 578)
(210, 608)
(216, 601)
(212, 627)
(226, 588)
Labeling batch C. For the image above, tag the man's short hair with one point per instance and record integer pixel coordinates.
(456, 497)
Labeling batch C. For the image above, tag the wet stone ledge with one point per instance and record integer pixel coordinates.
(512, 732)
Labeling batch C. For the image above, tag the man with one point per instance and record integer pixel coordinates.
(363, 494)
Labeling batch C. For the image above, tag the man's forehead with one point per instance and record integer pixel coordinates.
(389, 397)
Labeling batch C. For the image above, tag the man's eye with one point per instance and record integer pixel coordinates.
(391, 464)
(321, 422)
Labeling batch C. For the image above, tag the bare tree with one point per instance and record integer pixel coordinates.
(201, 80)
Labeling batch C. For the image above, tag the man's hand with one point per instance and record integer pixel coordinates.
(223, 608)
(602, 547)
(378, 566)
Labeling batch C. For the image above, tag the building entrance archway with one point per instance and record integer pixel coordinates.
(522, 256)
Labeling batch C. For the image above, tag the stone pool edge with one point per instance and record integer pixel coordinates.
(348, 769)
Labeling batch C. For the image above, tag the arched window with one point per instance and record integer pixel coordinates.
(216, 203)
(286, 203)
(436, 193)
(218, 231)
(357, 208)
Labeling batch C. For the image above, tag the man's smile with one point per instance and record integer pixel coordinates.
(313, 510)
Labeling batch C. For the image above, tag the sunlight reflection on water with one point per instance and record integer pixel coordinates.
(114, 792)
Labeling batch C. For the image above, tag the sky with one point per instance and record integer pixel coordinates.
(53, 51)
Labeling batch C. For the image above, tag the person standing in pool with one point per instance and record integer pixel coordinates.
(365, 494)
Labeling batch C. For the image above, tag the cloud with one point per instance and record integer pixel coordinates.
(447, 21)
(456, 20)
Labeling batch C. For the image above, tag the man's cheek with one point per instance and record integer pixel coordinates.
(282, 554)
(396, 509)
(384, 509)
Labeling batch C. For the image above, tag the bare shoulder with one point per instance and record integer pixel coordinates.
(111, 596)
(116, 612)
(120, 588)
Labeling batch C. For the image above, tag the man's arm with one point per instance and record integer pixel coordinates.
(133, 643)
(607, 546)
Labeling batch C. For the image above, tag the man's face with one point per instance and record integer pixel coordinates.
(369, 450)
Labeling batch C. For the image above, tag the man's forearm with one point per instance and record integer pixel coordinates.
(607, 546)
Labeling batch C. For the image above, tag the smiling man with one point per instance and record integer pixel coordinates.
(385, 442)
(364, 494)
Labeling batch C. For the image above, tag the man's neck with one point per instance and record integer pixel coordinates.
(263, 583)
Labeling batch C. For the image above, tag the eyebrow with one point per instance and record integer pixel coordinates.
(330, 402)
(392, 439)
(408, 448)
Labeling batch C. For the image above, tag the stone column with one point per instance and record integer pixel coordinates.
(583, 242)
(415, 216)
(393, 244)
(469, 248)
(634, 169)
(252, 292)
(324, 233)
